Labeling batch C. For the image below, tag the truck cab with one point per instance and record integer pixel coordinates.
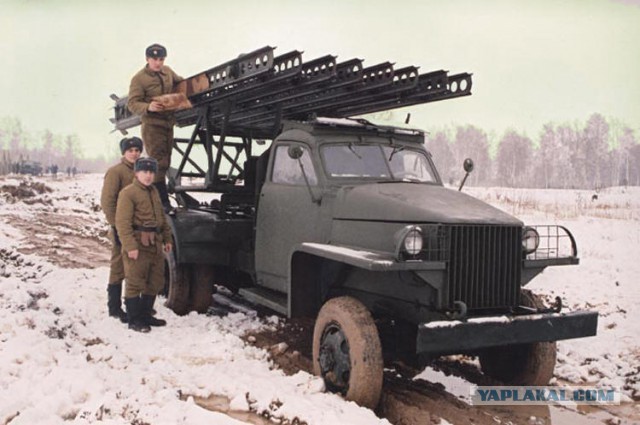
(323, 180)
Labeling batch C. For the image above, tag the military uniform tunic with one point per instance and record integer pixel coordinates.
(157, 127)
(117, 178)
(140, 207)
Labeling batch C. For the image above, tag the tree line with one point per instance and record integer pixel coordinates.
(49, 150)
(593, 155)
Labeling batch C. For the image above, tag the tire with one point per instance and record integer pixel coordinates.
(177, 280)
(521, 364)
(347, 352)
(201, 287)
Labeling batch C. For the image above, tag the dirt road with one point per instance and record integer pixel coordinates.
(72, 237)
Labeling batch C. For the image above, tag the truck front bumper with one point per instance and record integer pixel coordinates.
(456, 336)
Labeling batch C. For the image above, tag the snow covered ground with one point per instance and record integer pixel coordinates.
(62, 358)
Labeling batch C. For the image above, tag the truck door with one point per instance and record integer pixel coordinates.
(287, 214)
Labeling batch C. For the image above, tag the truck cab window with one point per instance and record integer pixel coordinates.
(376, 161)
(355, 161)
(286, 170)
(409, 165)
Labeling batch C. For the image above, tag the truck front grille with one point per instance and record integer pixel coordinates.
(484, 265)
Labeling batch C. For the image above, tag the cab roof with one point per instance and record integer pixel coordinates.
(353, 126)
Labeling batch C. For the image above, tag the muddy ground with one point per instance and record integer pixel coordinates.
(59, 241)
(68, 237)
(411, 402)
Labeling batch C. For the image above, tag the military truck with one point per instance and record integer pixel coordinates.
(29, 167)
(288, 201)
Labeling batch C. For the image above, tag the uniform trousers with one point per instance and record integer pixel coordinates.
(145, 275)
(158, 143)
(116, 270)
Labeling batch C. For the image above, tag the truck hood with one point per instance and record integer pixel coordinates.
(415, 203)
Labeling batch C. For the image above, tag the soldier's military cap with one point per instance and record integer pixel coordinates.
(156, 51)
(146, 164)
(130, 142)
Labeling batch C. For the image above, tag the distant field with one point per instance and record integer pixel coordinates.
(616, 202)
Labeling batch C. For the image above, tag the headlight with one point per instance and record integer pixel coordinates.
(530, 240)
(412, 242)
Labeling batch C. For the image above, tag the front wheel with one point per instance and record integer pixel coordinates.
(347, 352)
(521, 364)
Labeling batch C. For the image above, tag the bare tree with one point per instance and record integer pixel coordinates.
(440, 148)
(72, 150)
(48, 147)
(571, 172)
(472, 142)
(634, 165)
(626, 144)
(544, 166)
(14, 136)
(514, 160)
(595, 147)
(552, 158)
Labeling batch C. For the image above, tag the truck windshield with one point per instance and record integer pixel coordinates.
(378, 162)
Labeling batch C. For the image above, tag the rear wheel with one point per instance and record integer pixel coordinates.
(346, 351)
(201, 287)
(177, 278)
(521, 364)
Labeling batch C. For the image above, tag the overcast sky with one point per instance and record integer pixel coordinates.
(532, 61)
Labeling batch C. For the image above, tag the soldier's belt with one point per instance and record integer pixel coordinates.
(147, 228)
(147, 233)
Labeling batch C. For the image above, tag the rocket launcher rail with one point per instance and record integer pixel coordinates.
(249, 96)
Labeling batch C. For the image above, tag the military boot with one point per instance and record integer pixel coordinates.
(135, 315)
(147, 302)
(114, 302)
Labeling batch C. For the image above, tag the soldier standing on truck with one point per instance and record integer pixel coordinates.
(117, 178)
(155, 79)
(145, 236)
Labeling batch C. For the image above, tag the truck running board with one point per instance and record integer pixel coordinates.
(276, 301)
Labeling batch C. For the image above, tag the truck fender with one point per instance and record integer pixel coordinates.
(365, 259)
(316, 267)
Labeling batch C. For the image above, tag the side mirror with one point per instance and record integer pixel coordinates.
(468, 165)
(295, 152)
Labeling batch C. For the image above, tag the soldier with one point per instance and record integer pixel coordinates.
(116, 178)
(145, 235)
(155, 79)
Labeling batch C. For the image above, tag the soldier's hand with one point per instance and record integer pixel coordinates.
(133, 254)
(155, 106)
(168, 247)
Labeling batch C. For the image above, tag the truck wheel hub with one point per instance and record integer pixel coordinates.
(335, 363)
